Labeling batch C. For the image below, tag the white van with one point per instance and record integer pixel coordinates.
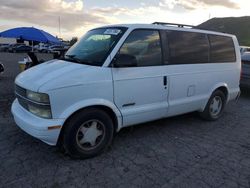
(122, 75)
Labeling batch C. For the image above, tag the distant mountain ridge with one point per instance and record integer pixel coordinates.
(239, 26)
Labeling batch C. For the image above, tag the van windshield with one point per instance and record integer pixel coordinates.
(94, 47)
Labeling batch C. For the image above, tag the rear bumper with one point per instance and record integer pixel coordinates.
(35, 126)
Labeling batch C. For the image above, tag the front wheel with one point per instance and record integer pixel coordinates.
(88, 133)
(215, 106)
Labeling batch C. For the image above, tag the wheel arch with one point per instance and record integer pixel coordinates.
(113, 113)
(220, 86)
(225, 91)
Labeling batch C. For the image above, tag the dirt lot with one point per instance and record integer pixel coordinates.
(183, 151)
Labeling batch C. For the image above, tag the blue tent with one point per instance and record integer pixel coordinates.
(30, 34)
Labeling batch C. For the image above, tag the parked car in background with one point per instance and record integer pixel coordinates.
(245, 73)
(43, 48)
(4, 47)
(11, 47)
(56, 49)
(22, 48)
(36, 48)
(244, 49)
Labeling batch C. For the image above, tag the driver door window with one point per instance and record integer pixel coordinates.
(144, 46)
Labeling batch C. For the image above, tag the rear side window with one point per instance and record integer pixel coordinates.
(221, 49)
(145, 46)
(187, 47)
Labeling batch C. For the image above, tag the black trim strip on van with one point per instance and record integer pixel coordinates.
(129, 104)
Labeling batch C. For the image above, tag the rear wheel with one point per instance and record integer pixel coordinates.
(215, 106)
(88, 133)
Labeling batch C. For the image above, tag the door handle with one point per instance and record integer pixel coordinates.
(165, 81)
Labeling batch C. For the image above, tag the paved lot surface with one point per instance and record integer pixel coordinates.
(183, 151)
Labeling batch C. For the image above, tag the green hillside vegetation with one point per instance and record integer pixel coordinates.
(239, 26)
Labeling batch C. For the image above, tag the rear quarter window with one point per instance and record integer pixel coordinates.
(221, 49)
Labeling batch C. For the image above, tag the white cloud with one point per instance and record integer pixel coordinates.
(194, 4)
(168, 3)
(61, 4)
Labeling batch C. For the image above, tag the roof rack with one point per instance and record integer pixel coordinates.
(174, 24)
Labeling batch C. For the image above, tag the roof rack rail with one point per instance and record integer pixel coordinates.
(173, 24)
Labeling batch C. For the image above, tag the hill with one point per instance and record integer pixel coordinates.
(239, 26)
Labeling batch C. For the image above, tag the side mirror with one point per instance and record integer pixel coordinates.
(124, 60)
(1, 68)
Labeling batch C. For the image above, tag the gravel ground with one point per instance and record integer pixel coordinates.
(183, 151)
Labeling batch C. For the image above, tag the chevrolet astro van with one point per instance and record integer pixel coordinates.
(121, 75)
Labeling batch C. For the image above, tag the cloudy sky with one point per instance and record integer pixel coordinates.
(78, 16)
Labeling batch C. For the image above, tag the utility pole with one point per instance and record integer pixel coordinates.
(59, 24)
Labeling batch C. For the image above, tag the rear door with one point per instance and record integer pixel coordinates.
(141, 91)
(188, 71)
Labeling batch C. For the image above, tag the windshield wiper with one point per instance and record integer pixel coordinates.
(84, 61)
(73, 58)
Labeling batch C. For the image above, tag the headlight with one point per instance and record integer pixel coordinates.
(36, 103)
(37, 97)
(40, 111)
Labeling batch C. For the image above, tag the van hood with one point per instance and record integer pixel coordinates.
(51, 71)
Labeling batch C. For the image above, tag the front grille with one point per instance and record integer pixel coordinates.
(22, 102)
(20, 91)
(20, 95)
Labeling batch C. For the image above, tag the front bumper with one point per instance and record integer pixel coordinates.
(36, 126)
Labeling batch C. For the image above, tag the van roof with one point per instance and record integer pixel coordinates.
(169, 27)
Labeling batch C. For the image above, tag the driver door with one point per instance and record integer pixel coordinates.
(141, 87)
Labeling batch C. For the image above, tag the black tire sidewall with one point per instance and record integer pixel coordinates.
(73, 126)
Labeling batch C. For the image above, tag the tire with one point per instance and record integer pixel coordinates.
(215, 106)
(88, 133)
